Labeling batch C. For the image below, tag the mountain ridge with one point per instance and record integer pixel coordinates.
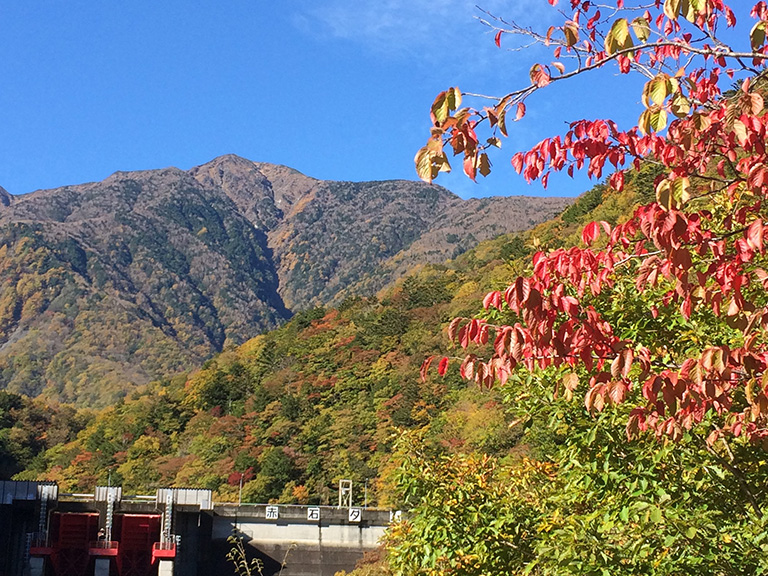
(108, 285)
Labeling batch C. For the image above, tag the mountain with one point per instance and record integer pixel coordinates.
(108, 285)
(322, 397)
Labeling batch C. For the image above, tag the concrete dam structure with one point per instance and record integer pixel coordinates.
(176, 532)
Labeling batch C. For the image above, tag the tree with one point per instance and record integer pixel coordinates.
(659, 320)
(691, 263)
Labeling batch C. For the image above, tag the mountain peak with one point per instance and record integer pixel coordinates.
(228, 160)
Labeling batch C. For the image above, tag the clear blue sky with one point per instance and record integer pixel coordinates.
(339, 89)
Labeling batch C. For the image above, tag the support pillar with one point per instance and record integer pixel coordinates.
(165, 568)
(36, 566)
(101, 567)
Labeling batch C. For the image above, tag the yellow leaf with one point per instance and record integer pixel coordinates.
(680, 106)
(440, 107)
(681, 190)
(571, 31)
(656, 90)
(430, 160)
(658, 119)
(672, 9)
(644, 122)
(618, 37)
(740, 129)
(664, 194)
(749, 390)
(454, 98)
(689, 10)
(701, 121)
(442, 163)
(673, 194)
(641, 28)
(423, 162)
(502, 121)
(757, 35)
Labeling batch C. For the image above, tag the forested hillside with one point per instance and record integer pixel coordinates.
(110, 285)
(322, 398)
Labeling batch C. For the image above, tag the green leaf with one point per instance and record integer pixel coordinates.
(624, 514)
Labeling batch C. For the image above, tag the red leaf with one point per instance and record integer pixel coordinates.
(755, 235)
(442, 367)
(467, 369)
(629, 355)
(570, 305)
(482, 335)
(497, 39)
(503, 341)
(492, 299)
(517, 162)
(617, 180)
(520, 111)
(452, 328)
(590, 233)
(523, 288)
(470, 166)
(539, 75)
(464, 336)
(473, 330)
(617, 391)
(425, 368)
(685, 308)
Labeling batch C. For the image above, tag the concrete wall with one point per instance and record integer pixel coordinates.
(307, 548)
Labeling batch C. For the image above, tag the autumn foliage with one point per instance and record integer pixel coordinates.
(694, 260)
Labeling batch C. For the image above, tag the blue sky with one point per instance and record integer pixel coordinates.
(337, 89)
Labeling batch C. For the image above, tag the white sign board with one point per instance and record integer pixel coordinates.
(355, 514)
(272, 513)
(313, 514)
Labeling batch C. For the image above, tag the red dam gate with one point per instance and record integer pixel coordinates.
(73, 538)
(137, 533)
(70, 537)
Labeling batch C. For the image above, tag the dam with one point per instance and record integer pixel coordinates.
(175, 532)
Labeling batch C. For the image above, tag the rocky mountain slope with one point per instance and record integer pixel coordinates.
(107, 285)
